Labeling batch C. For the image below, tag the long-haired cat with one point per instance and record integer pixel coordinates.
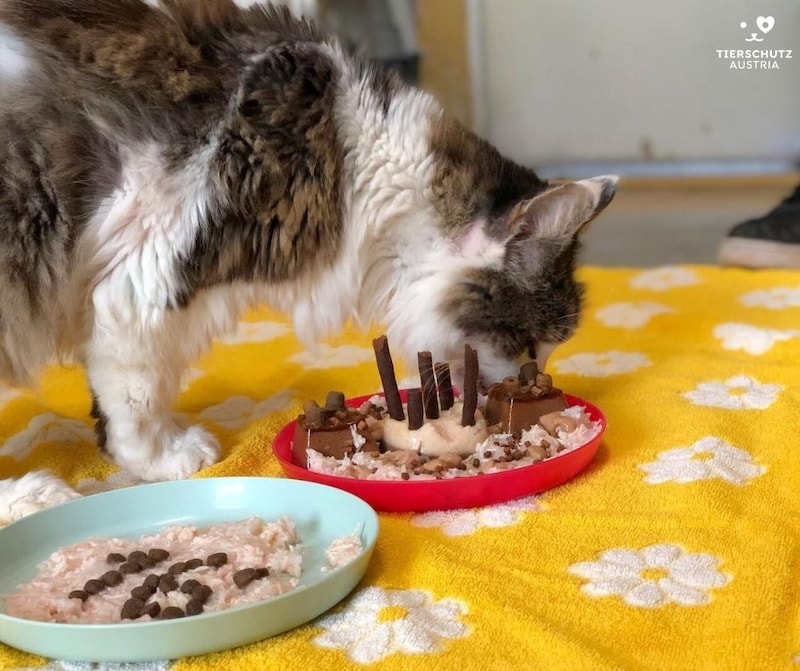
(166, 167)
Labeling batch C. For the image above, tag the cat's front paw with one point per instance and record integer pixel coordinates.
(178, 456)
(31, 493)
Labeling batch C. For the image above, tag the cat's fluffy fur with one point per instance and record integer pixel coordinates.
(167, 167)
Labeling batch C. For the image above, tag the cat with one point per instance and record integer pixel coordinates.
(167, 167)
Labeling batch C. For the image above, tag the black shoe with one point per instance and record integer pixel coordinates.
(772, 241)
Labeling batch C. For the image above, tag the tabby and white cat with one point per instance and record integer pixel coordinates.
(165, 168)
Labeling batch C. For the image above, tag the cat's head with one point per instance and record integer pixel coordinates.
(501, 273)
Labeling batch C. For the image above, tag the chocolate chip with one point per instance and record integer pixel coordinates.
(189, 586)
(167, 583)
(193, 564)
(152, 609)
(94, 586)
(171, 613)
(158, 555)
(262, 573)
(194, 607)
(136, 555)
(142, 592)
(202, 593)
(176, 568)
(129, 567)
(132, 609)
(217, 559)
(78, 594)
(244, 577)
(151, 581)
(111, 578)
(405, 475)
(115, 558)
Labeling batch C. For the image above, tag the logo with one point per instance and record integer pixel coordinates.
(763, 23)
(752, 58)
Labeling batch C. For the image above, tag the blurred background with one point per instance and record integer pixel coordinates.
(703, 138)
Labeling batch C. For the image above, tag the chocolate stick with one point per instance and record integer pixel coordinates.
(470, 394)
(383, 357)
(443, 380)
(414, 404)
(425, 363)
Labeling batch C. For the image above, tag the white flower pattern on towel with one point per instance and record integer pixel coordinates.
(601, 364)
(740, 392)
(63, 665)
(776, 298)
(751, 339)
(378, 622)
(47, 428)
(708, 458)
(328, 356)
(664, 278)
(238, 411)
(653, 576)
(463, 522)
(633, 315)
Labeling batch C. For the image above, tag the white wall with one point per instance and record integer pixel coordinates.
(575, 80)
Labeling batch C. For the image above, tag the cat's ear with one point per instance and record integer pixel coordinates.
(560, 212)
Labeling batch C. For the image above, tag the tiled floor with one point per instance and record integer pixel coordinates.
(659, 222)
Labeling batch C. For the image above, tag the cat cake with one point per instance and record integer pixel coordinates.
(334, 430)
(433, 434)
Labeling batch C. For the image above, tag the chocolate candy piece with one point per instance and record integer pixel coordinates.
(528, 373)
(193, 564)
(111, 578)
(151, 581)
(194, 607)
(244, 577)
(176, 568)
(136, 555)
(262, 572)
(132, 609)
(217, 559)
(171, 613)
(129, 567)
(144, 563)
(167, 583)
(334, 401)
(202, 593)
(115, 558)
(94, 586)
(152, 609)
(315, 416)
(142, 592)
(78, 594)
(189, 586)
(158, 555)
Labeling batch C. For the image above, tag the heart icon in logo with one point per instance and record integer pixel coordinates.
(765, 23)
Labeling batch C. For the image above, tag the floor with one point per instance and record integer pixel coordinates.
(667, 221)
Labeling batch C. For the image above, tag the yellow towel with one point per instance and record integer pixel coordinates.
(677, 549)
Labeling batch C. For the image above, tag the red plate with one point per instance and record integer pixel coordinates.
(398, 496)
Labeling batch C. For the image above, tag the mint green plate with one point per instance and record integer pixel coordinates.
(320, 513)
